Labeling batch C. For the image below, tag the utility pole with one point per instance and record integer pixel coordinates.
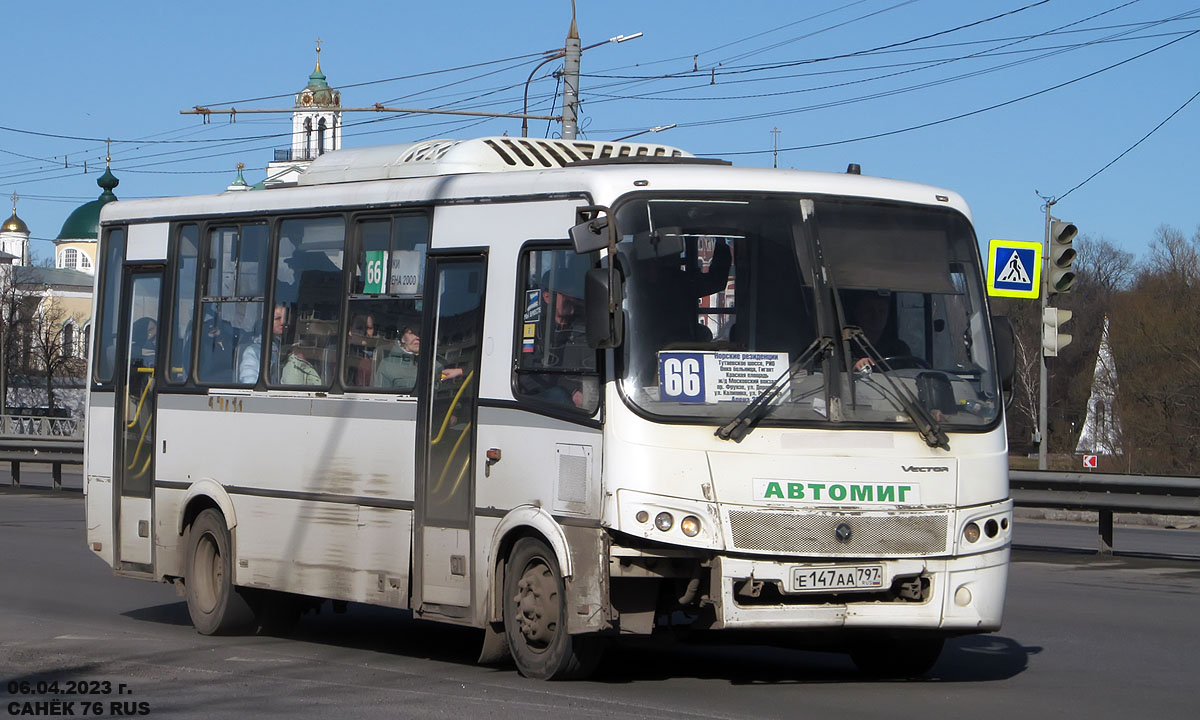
(571, 80)
(775, 142)
(1043, 382)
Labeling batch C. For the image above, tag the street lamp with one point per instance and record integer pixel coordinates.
(573, 79)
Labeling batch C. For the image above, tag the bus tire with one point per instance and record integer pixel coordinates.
(895, 657)
(215, 605)
(535, 617)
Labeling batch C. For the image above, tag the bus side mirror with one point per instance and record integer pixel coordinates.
(605, 319)
(1006, 353)
(593, 233)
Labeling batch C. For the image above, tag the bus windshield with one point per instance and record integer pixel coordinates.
(830, 309)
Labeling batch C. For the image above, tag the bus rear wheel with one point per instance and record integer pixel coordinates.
(535, 617)
(896, 657)
(215, 605)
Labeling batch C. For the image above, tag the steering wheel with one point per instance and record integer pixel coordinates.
(906, 362)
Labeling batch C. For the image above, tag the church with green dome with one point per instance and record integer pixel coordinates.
(75, 246)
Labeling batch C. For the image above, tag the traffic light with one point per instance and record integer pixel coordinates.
(1062, 256)
(1053, 339)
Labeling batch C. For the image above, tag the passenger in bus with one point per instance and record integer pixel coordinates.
(217, 349)
(561, 343)
(249, 365)
(672, 286)
(872, 312)
(144, 342)
(363, 345)
(398, 367)
(298, 370)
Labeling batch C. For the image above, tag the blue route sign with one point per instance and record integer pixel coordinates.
(1014, 268)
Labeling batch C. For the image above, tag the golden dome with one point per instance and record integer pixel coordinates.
(14, 224)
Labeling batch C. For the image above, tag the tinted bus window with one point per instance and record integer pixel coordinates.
(385, 304)
(184, 310)
(232, 306)
(554, 364)
(308, 302)
(105, 345)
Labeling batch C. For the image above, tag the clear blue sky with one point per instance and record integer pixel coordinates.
(125, 69)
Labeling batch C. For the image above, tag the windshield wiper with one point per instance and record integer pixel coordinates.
(757, 409)
(931, 432)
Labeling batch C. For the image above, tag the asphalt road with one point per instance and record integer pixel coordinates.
(1083, 637)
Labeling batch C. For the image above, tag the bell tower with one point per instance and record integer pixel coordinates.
(316, 121)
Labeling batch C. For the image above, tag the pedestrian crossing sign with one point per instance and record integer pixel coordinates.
(1014, 268)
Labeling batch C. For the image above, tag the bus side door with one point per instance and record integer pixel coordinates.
(448, 391)
(133, 451)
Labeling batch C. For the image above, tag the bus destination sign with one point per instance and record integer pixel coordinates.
(710, 377)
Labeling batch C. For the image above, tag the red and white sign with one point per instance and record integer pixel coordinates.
(1089, 461)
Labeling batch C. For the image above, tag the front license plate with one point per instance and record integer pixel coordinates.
(842, 577)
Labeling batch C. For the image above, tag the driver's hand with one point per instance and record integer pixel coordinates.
(863, 363)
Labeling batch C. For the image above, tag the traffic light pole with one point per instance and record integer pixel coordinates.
(1043, 382)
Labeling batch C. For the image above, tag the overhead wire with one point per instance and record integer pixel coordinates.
(960, 116)
(1047, 52)
(211, 143)
(768, 48)
(841, 56)
(1130, 148)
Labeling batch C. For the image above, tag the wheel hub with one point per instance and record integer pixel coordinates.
(537, 606)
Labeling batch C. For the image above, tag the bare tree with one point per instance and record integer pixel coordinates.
(1027, 347)
(15, 303)
(1156, 346)
(53, 345)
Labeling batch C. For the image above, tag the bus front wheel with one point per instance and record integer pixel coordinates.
(535, 617)
(215, 605)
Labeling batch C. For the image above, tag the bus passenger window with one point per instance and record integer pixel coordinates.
(232, 304)
(179, 365)
(308, 301)
(384, 331)
(106, 330)
(554, 364)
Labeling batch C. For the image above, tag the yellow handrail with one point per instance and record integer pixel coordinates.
(461, 473)
(142, 399)
(140, 445)
(145, 466)
(453, 451)
(145, 426)
(450, 410)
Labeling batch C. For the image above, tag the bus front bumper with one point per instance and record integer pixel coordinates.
(954, 595)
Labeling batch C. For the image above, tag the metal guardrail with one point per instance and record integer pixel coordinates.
(53, 451)
(38, 439)
(1106, 493)
(39, 426)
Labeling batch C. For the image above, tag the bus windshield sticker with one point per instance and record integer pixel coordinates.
(855, 493)
(711, 377)
(528, 337)
(533, 305)
(376, 261)
(406, 272)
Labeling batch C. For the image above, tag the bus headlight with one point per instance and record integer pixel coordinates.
(971, 532)
(663, 521)
(690, 526)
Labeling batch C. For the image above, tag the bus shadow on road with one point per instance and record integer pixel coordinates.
(967, 659)
(175, 613)
(361, 627)
(977, 658)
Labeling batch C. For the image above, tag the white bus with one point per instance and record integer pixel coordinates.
(562, 391)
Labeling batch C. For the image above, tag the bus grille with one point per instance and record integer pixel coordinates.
(870, 535)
